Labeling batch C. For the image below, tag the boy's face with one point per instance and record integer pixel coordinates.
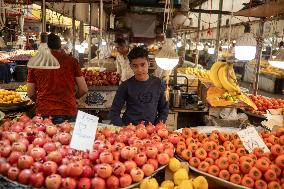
(140, 68)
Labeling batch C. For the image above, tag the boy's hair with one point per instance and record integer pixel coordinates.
(120, 42)
(54, 41)
(137, 52)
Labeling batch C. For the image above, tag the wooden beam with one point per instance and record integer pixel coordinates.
(211, 12)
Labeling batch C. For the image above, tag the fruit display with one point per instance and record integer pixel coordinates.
(181, 179)
(22, 88)
(94, 98)
(222, 75)
(273, 71)
(199, 73)
(96, 78)
(4, 58)
(264, 104)
(9, 97)
(35, 152)
(223, 155)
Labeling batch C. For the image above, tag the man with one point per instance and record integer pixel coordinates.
(143, 94)
(122, 62)
(53, 89)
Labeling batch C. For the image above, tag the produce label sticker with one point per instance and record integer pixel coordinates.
(84, 131)
(251, 139)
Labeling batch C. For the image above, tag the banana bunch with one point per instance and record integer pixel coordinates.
(223, 76)
(200, 73)
(22, 88)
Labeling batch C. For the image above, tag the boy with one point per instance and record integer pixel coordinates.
(144, 95)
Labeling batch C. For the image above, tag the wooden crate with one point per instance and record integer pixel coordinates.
(203, 86)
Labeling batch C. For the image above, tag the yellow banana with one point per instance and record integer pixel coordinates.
(225, 78)
(213, 74)
(232, 78)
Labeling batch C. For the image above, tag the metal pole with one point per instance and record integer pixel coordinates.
(259, 54)
(90, 34)
(217, 43)
(43, 16)
(198, 37)
(73, 29)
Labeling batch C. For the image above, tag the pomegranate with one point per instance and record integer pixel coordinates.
(106, 132)
(64, 138)
(4, 167)
(140, 159)
(94, 155)
(104, 170)
(138, 143)
(125, 180)
(69, 183)
(132, 139)
(118, 146)
(37, 153)
(49, 147)
(5, 150)
(148, 169)
(13, 173)
(37, 119)
(75, 169)
(116, 155)
(121, 138)
(12, 136)
(25, 162)
(49, 167)
(137, 174)
(4, 142)
(37, 167)
(173, 138)
(84, 183)
(47, 121)
(159, 146)
(153, 162)
(62, 170)
(170, 152)
(37, 180)
(24, 176)
(51, 130)
(17, 127)
(23, 140)
(151, 152)
(41, 127)
(97, 143)
(20, 147)
(65, 127)
(129, 165)
(54, 156)
(14, 156)
(118, 168)
(87, 171)
(39, 141)
(112, 182)
(163, 158)
(53, 181)
(163, 133)
(150, 128)
(106, 157)
(155, 138)
(141, 133)
(98, 183)
(160, 125)
(127, 153)
(24, 118)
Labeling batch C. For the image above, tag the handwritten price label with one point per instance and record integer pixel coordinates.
(251, 139)
(84, 131)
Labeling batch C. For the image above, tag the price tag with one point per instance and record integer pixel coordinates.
(251, 139)
(84, 131)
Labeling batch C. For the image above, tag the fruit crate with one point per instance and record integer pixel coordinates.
(270, 83)
(6, 183)
(203, 86)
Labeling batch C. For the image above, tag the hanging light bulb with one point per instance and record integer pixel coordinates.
(167, 58)
(278, 60)
(246, 45)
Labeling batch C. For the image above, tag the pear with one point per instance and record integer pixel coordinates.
(180, 175)
(185, 184)
(174, 164)
(149, 184)
(168, 184)
(200, 182)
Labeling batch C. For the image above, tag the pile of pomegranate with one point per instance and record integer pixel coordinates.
(223, 155)
(35, 152)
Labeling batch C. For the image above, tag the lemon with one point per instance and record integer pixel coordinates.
(174, 164)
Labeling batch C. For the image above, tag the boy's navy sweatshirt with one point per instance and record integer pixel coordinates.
(145, 101)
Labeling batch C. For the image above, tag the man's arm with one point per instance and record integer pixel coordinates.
(82, 86)
(117, 105)
(163, 106)
(31, 91)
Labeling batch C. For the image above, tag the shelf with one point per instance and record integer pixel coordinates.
(188, 110)
(263, 11)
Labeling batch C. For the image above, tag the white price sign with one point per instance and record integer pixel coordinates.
(84, 131)
(251, 139)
